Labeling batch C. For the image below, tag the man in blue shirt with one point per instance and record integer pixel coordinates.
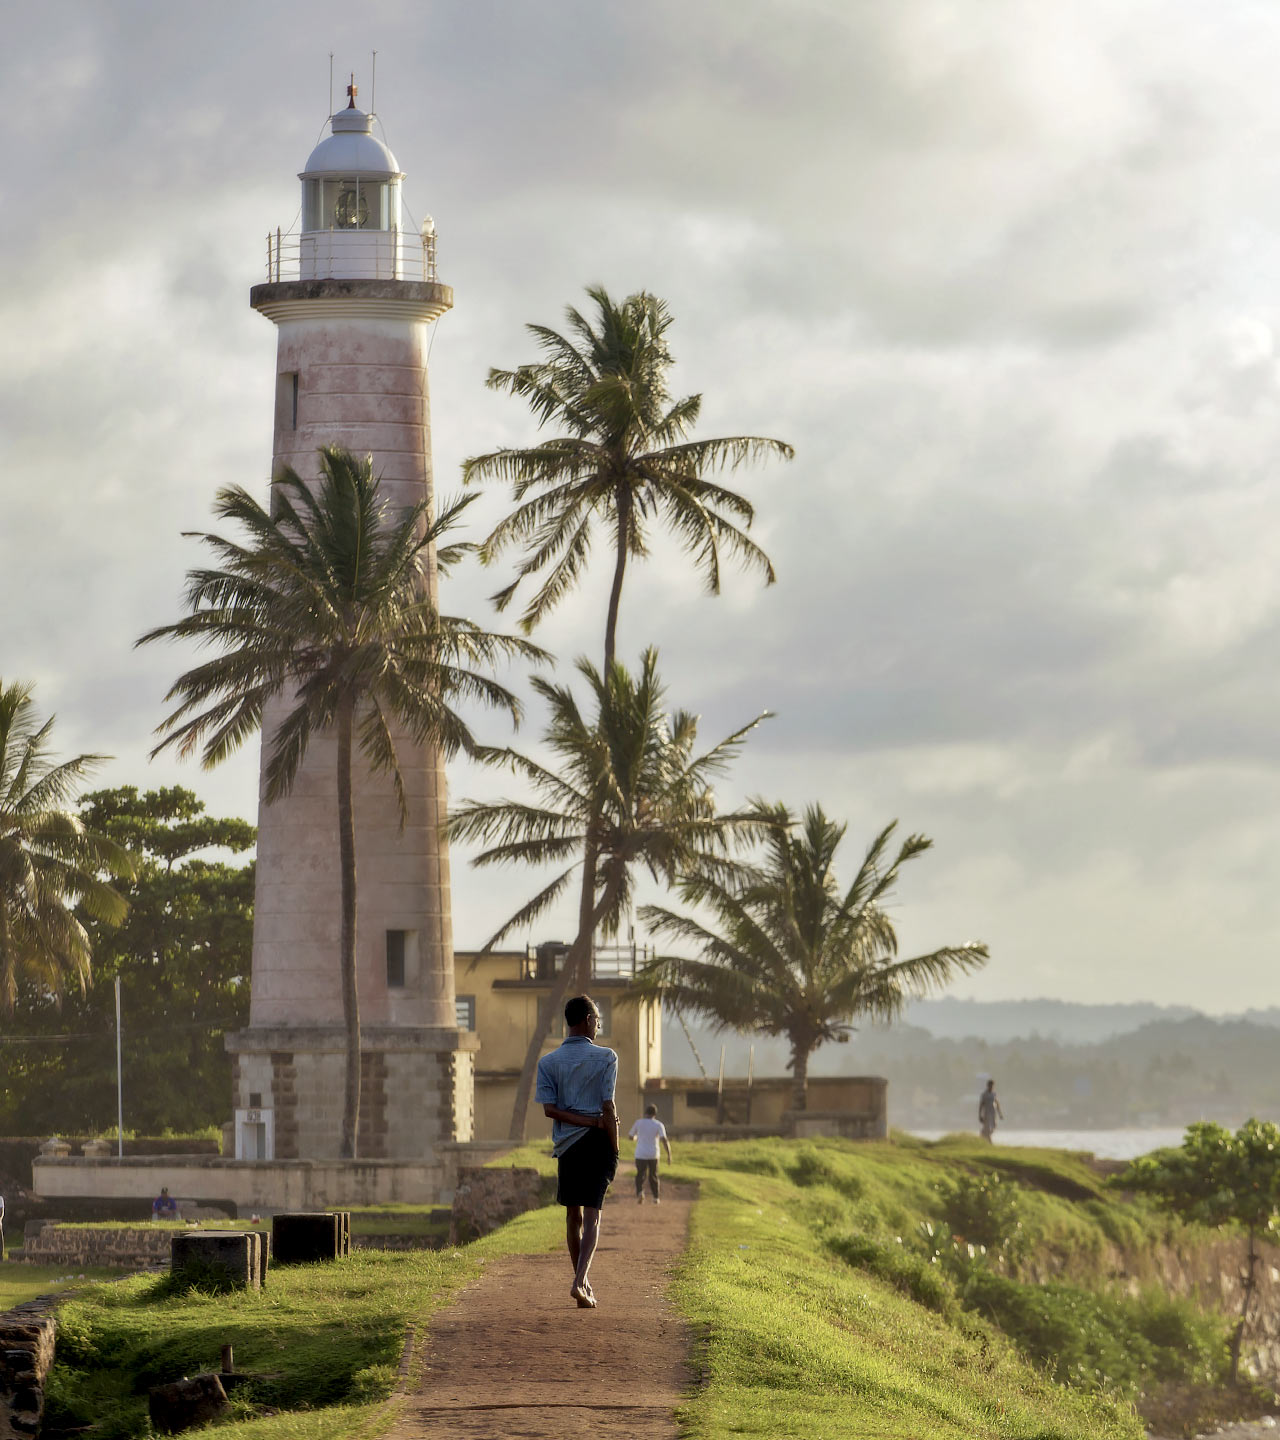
(575, 1090)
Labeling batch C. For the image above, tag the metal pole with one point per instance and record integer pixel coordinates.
(751, 1072)
(720, 1090)
(119, 1082)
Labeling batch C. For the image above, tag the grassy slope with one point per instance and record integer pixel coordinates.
(795, 1343)
(790, 1339)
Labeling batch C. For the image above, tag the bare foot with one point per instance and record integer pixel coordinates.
(582, 1294)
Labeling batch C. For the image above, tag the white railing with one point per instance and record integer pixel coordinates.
(351, 255)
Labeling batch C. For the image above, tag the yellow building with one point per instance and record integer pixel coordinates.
(501, 996)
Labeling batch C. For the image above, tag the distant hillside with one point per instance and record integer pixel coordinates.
(1177, 1067)
(1071, 1024)
(991, 1021)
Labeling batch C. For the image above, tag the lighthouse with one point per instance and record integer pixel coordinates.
(353, 295)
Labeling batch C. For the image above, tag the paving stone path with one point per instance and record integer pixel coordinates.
(515, 1357)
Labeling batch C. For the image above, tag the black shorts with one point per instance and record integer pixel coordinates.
(586, 1169)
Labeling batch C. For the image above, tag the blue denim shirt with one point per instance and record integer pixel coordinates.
(579, 1076)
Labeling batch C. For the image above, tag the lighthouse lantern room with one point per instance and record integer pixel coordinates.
(352, 212)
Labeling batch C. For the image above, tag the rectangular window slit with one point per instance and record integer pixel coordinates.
(395, 959)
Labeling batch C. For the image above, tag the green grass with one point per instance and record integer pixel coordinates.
(399, 1220)
(327, 1340)
(20, 1283)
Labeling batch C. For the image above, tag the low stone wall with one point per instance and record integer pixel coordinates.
(245, 1187)
(483, 1199)
(26, 1355)
(130, 1247)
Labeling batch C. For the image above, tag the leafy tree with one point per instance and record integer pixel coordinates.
(1219, 1179)
(788, 953)
(327, 609)
(50, 863)
(182, 956)
(622, 460)
(630, 794)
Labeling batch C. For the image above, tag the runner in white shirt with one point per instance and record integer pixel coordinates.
(646, 1133)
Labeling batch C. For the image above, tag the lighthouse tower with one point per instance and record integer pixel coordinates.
(353, 298)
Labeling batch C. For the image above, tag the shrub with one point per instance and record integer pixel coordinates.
(1087, 1339)
(985, 1209)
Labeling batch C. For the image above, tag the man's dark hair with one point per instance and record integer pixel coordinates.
(650, 1109)
(577, 1009)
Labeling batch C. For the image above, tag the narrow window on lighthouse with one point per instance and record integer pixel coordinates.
(287, 400)
(395, 959)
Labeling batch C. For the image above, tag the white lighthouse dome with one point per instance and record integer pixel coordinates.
(352, 149)
(352, 185)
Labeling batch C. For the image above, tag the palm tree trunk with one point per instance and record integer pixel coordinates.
(576, 962)
(615, 591)
(799, 1075)
(350, 992)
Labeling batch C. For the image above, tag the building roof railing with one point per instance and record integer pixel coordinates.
(608, 962)
(351, 255)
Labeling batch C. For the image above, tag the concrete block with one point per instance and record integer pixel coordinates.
(305, 1237)
(219, 1259)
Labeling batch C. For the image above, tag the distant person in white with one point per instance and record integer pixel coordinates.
(989, 1112)
(646, 1132)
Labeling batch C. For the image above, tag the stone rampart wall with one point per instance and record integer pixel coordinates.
(26, 1354)
(1214, 1272)
(130, 1247)
(1209, 1271)
(486, 1198)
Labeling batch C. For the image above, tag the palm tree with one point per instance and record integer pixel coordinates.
(50, 864)
(623, 460)
(327, 607)
(789, 953)
(630, 794)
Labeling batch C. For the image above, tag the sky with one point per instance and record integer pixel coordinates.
(1005, 275)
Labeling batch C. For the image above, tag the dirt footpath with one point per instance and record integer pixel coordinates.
(515, 1358)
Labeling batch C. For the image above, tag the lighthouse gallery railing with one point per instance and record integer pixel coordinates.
(350, 255)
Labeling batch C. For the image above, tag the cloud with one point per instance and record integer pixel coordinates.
(1002, 276)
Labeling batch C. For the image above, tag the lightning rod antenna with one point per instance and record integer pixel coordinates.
(330, 82)
(373, 85)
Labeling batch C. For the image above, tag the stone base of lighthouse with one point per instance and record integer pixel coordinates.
(288, 1088)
